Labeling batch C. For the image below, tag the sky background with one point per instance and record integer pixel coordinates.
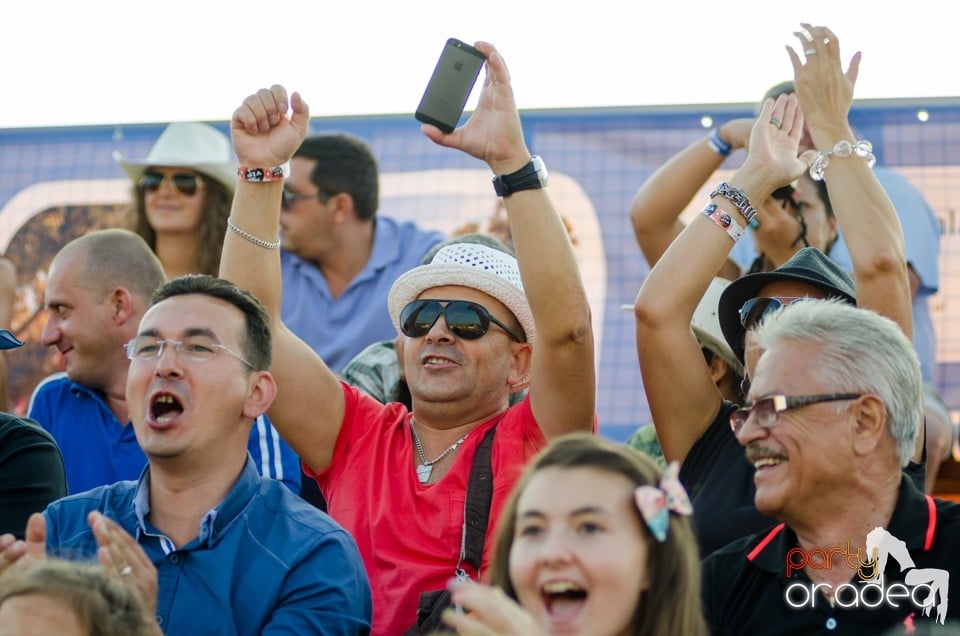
(107, 61)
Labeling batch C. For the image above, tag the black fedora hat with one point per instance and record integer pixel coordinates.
(809, 265)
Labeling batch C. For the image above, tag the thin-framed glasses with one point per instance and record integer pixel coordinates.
(289, 198)
(769, 408)
(194, 348)
(466, 319)
(185, 183)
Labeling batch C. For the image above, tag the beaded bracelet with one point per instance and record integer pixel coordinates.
(263, 175)
(843, 149)
(717, 144)
(247, 236)
(737, 197)
(724, 221)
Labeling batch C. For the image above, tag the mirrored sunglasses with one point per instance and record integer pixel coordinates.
(182, 182)
(467, 320)
(756, 309)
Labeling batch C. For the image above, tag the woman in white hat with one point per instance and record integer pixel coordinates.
(182, 193)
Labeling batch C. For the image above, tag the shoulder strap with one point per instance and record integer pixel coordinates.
(476, 508)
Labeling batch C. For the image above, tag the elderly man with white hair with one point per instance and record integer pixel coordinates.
(831, 419)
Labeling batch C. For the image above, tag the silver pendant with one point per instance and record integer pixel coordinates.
(424, 472)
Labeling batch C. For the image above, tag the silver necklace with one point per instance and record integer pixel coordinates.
(425, 467)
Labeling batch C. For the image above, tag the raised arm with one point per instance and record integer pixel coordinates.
(682, 397)
(864, 212)
(309, 406)
(657, 205)
(562, 389)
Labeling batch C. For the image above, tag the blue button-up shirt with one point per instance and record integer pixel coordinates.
(264, 562)
(339, 328)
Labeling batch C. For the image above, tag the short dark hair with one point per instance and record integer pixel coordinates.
(256, 344)
(344, 164)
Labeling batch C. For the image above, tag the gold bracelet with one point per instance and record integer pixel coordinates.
(247, 236)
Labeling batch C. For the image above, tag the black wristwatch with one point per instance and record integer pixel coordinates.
(532, 176)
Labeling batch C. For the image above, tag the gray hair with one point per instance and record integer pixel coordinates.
(857, 351)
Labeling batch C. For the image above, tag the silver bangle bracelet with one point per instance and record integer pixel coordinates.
(251, 238)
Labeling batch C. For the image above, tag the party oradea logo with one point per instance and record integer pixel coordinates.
(921, 588)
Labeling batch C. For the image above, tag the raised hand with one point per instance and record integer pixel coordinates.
(493, 132)
(121, 555)
(262, 133)
(825, 91)
(772, 159)
(490, 612)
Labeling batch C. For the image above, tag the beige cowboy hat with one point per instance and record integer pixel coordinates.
(199, 147)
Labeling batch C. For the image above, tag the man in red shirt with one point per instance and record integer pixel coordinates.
(397, 480)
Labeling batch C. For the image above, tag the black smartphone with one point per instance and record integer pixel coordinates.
(450, 85)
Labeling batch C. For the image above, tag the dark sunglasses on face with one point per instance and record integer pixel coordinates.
(756, 309)
(182, 182)
(768, 409)
(467, 320)
(786, 195)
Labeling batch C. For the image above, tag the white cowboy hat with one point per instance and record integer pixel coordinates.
(199, 147)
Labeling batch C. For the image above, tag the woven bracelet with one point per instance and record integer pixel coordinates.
(737, 197)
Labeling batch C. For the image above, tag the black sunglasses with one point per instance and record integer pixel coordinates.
(467, 320)
(182, 182)
(756, 309)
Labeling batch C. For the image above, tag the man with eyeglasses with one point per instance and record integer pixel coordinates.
(98, 287)
(831, 420)
(210, 545)
(339, 255)
(477, 325)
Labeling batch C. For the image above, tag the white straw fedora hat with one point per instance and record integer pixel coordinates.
(197, 146)
(472, 265)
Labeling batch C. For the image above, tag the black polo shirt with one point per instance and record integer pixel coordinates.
(719, 480)
(744, 584)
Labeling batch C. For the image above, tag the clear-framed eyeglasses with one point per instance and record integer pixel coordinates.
(767, 410)
(194, 348)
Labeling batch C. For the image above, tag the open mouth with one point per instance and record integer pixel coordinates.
(767, 462)
(562, 599)
(165, 408)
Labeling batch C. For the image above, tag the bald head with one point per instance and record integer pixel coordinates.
(112, 258)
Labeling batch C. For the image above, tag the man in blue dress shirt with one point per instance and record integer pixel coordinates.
(213, 547)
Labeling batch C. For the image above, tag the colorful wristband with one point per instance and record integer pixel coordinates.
(737, 197)
(717, 144)
(724, 221)
(263, 175)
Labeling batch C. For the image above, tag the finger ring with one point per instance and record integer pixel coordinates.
(775, 121)
(810, 51)
(126, 570)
